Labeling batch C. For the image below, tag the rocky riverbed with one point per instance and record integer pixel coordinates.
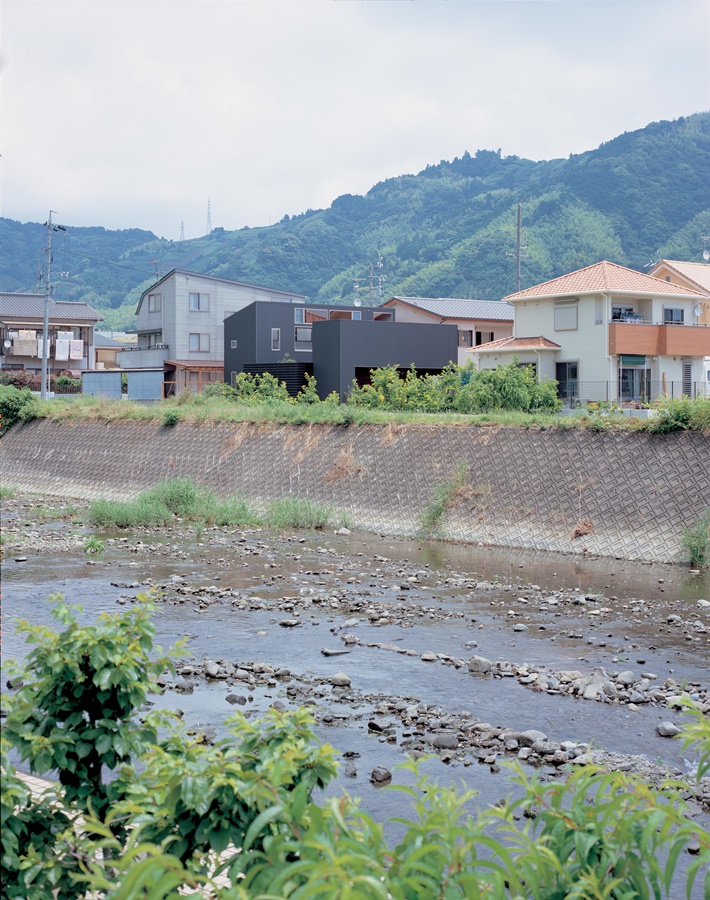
(475, 656)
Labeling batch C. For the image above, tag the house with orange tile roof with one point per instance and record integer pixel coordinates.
(609, 333)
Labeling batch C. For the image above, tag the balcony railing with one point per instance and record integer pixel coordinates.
(579, 393)
(658, 338)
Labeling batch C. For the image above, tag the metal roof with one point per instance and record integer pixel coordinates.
(248, 284)
(102, 342)
(450, 308)
(31, 306)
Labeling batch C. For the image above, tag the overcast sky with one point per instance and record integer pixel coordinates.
(132, 113)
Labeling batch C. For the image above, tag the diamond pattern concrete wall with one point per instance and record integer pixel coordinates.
(615, 494)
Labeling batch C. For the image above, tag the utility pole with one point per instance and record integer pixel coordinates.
(209, 216)
(47, 297)
(520, 248)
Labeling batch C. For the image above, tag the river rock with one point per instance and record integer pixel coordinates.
(529, 737)
(626, 678)
(340, 679)
(236, 698)
(520, 627)
(380, 775)
(479, 665)
(428, 657)
(445, 741)
(667, 729)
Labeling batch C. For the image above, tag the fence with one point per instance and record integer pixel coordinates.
(574, 393)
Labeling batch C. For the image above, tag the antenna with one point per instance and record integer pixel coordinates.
(374, 280)
(706, 253)
(182, 230)
(209, 216)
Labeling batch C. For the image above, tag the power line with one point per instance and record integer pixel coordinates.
(108, 262)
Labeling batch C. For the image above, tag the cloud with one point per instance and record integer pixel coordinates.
(132, 114)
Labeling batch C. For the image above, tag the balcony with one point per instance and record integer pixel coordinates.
(143, 357)
(651, 339)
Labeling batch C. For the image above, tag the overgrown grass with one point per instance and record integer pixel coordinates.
(695, 540)
(445, 495)
(294, 512)
(181, 498)
(7, 493)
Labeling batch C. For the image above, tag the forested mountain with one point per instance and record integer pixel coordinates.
(448, 231)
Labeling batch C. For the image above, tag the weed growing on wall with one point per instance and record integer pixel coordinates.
(453, 490)
(695, 540)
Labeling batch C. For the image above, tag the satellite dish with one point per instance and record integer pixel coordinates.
(357, 301)
(7, 345)
(698, 310)
(706, 255)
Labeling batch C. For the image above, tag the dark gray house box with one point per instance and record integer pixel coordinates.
(335, 343)
(346, 351)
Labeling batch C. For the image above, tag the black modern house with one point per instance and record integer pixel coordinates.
(336, 344)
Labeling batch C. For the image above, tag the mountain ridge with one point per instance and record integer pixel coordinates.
(449, 230)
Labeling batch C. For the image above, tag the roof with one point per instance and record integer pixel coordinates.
(603, 277)
(172, 272)
(697, 273)
(103, 342)
(31, 306)
(196, 363)
(511, 344)
(448, 308)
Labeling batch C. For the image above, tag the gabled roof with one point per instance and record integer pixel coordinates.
(449, 308)
(603, 277)
(698, 274)
(511, 344)
(31, 306)
(261, 287)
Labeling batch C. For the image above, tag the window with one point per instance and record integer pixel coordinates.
(302, 337)
(298, 316)
(566, 317)
(687, 379)
(383, 316)
(275, 338)
(154, 303)
(233, 345)
(199, 302)
(465, 338)
(199, 343)
(315, 315)
(340, 314)
(672, 316)
(567, 383)
(484, 337)
(357, 314)
(154, 339)
(233, 379)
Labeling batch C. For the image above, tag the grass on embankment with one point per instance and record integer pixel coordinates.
(198, 410)
(672, 414)
(181, 498)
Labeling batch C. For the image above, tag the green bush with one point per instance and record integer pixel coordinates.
(16, 405)
(295, 512)
(171, 416)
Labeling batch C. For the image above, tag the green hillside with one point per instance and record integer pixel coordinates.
(447, 231)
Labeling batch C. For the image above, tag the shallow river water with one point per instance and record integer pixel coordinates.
(436, 598)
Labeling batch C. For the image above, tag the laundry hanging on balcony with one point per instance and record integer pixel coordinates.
(61, 350)
(76, 349)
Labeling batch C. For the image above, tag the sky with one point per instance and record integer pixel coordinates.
(137, 113)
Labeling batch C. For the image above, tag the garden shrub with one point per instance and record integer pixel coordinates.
(16, 405)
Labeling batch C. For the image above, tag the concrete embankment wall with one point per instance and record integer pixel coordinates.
(631, 493)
